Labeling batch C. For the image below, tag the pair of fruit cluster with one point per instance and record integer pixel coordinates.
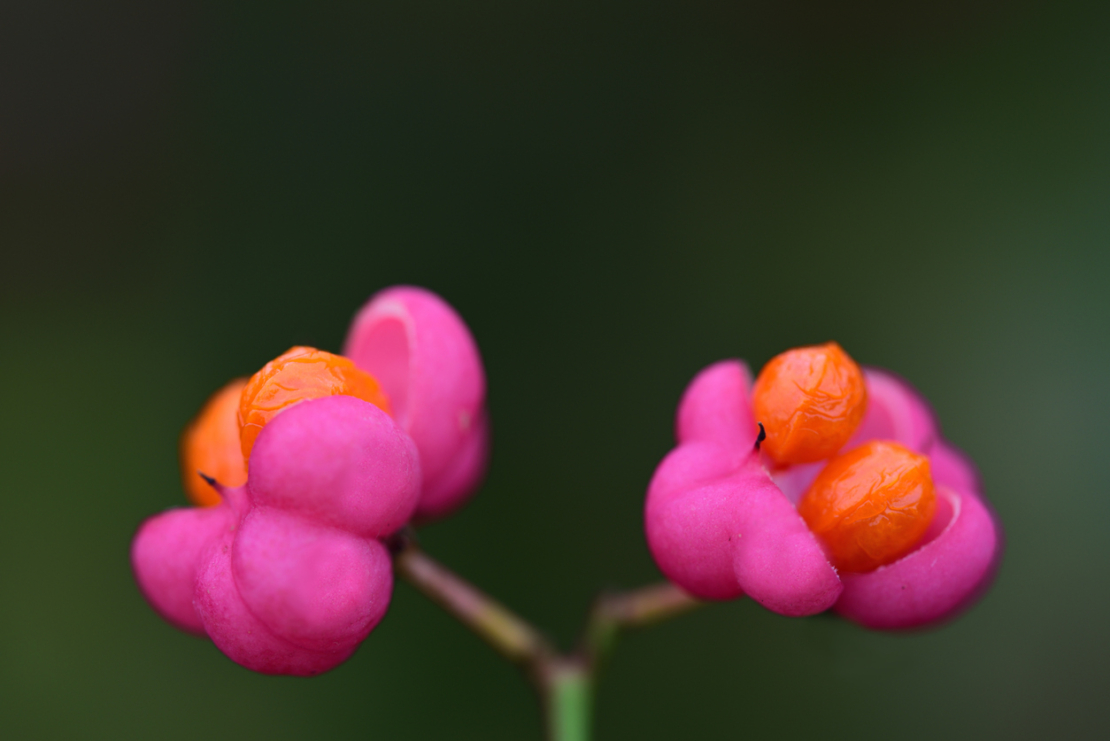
(823, 485)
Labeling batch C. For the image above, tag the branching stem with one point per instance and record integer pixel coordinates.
(636, 608)
(565, 682)
(512, 636)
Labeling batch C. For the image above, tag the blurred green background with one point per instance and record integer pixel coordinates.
(613, 194)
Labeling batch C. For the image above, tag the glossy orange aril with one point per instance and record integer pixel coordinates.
(210, 445)
(810, 400)
(299, 374)
(871, 505)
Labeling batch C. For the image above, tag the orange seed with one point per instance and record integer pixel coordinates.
(299, 374)
(810, 401)
(210, 445)
(870, 506)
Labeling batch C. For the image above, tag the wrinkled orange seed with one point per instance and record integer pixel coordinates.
(870, 506)
(210, 445)
(299, 374)
(810, 401)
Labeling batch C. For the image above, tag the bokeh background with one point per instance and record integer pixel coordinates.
(613, 194)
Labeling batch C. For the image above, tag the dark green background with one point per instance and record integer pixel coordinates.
(613, 195)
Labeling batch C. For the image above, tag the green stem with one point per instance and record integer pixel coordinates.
(569, 701)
